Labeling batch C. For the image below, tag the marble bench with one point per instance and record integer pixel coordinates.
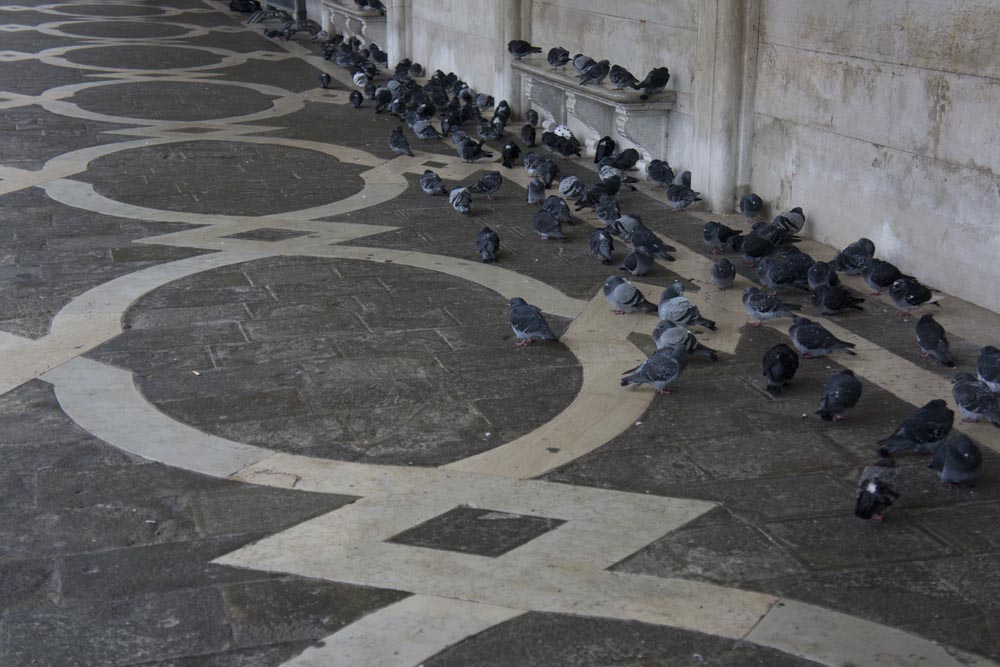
(592, 112)
(346, 18)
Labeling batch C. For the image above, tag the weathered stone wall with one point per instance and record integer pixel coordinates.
(882, 119)
(640, 35)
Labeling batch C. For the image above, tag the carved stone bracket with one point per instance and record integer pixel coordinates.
(592, 112)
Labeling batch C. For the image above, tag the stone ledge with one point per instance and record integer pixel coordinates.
(365, 24)
(664, 101)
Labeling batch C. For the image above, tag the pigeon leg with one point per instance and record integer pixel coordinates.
(757, 324)
(879, 517)
(663, 392)
(876, 293)
(523, 342)
(806, 355)
(716, 251)
(839, 418)
(904, 313)
(618, 312)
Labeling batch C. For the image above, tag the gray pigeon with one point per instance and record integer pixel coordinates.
(638, 262)
(488, 245)
(668, 335)
(622, 78)
(531, 116)
(527, 322)
(460, 199)
(424, 130)
(751, 206)
(679, 193)
(853, 257)
(558, 57)
(607, 209)
(654, 82)
(922, 431)
(659, 172)
(601, 245)
(571, 186)
(676, 307)
(532, 163)
(958, 461)
(596, 73)
(780, 363)
(624, 297)
(834, 299)
(932, 340)
(470, 151)
(547, 226)
(879, 275)
(548, 172)
(432, 184)
(536, 191)
(975, 400)
(762, 306)
(558, 207)
(639, 235)
(487, 184)
(723, 274)
(582, 62)
(791, 221)
(812, 340)
(876, 490)
(520, 48)
(908, 294)
(821, 274)
(325, 80)
(841, 392)
(528, 135)
(398, 142)
(662, 369)
(988, 367)
(716, 235)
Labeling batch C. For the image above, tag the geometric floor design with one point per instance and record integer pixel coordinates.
(259, 403)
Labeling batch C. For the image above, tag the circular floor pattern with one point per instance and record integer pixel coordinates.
(123, 29)
(172, 100)
(223, 178)
(142, 57)
(107, 10)
(343, 359)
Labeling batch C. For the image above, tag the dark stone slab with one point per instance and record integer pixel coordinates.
(477, 531)
(971, 529)
(185, 176)
(268, 234)
(143, 57)
(108, 10)
(242, 508)
(124, 29)
(257, 656)
(845, 541)
(293, 75)
(554, 640)
(32, 77)
(28, 584)
(241, 42)
(307, 609)
(172, 100)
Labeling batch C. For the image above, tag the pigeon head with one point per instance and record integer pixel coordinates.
(963, 377)
(989, 349)
(847, 371)
(612, 282)
(516, 301)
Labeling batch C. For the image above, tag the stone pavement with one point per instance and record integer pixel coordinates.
(261, 404)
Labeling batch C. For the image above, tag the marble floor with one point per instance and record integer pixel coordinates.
(261, 405)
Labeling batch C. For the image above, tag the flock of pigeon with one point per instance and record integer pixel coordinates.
(769, 247)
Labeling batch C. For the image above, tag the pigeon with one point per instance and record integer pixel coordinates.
(876, 490)
(606, 172)
(531, 117)
(488, 130)
(791, 221)
(812, 340)
(908, 294)
(762, 306)
(607, 210)
(622, 78)
(547, 226)
(532, 163)
(416, 70)
(488, 245)
(582, 62)
(558, 57)
(854, 256)
(780, 363)
(676, 307)
(717, 235)
(424, 130)
(502, 112)
(624, 160)
(548, 172)
(460, 199)
(488, 184)
(662, 369)
(975, 400)
(654, 82)
(604, 148)
(679, 193)
(536, 191)
(821, 274)
(510, 152)
(958, 461)
(638, 262)
(360, 79)
(356, 98)
(841, 392)
(753, 248)
(432, 184)
(660, 173)
(571, 186)
(777, 273)
(624, 296)
(832, 300)
(595, 74)
(484, 101)
(520, 48)
(601, 245)
(922, 431)
(723, 274)
(639, 235)
(751, 206)
(558, 207)
(527, 322)
(932, 340)
(988, 367)
(398, 142)
(470, 151)
(669, 336)
(325, 80)
(528, 135)
(879, 275)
